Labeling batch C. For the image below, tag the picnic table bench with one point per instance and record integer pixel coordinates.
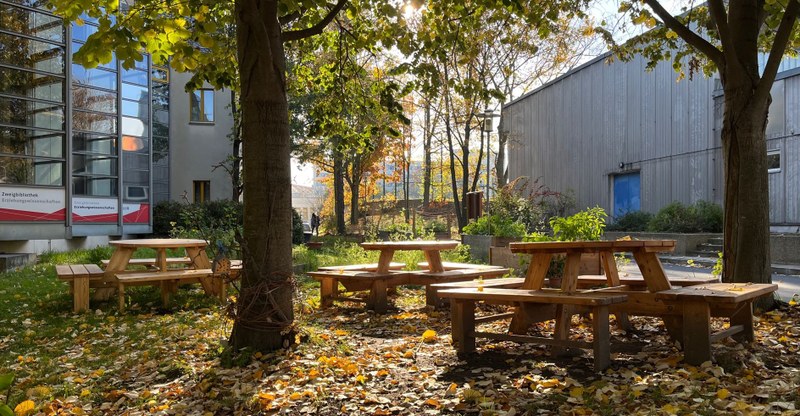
(368, 267)
(463, 317)
(79, 277)
(356, 280)
(430, 279)
(168, 281)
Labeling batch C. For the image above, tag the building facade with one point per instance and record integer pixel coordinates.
(627, 139)
(86, 153)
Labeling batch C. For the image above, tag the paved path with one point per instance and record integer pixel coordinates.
(788, 285)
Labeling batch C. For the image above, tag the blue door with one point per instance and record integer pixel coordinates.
(626, 194)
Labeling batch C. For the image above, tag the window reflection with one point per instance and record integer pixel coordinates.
(31, 85)
(30, 171)
(40, 25)
(16, 111)
(32, 54)
(94, 122)
(25, 142)
(94, 100)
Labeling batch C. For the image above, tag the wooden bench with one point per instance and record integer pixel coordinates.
(449, 265)
(168, 280)
(151, 262)
(430, 279)
(78, 276)
(463, 317)
(354, 281)
(370, 267)
(638, 283)
(696, 304)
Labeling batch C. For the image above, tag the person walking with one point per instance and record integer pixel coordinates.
(315, 223)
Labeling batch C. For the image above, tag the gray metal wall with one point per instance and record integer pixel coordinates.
(574, 132)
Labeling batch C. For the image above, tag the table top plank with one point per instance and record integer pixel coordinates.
(718, 292)
(160, 243)
(591, 246)
(410, 245)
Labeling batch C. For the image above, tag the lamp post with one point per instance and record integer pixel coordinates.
(487, 125)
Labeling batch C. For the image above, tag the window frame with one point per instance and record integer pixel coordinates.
(204, 188)
(772, 152)
(202, 106)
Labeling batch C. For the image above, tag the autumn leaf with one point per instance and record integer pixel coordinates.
(723, 394)
(429, 336)
(25, 408)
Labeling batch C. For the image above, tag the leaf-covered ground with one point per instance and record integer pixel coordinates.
(348, 361)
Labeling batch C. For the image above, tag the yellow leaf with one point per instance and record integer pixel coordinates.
(432, 402)
(408, 354)
(340, 332)
(429, 336)
(361, 379)
(669, 408)
(723, 394)
(24, 408)
(85, 392)
(576, 392)
(451, 389)
(553, 382)
(295, 396)
(671, 34)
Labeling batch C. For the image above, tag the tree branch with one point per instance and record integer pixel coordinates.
(687, 34)
(317, 28)
(778, 48)
(720, 18)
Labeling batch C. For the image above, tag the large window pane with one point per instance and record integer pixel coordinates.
(94, 100)
(24, 113)
(94, 165)
(134, 92)
(95, 77)
(134, 76)
(201, 106)
(94, 122)
(137, 109)
(112, 65)
(37, 4)
(28, 171)
(27, 53)
(40, 25)
(31, 142)
(82, 32)
(94, 143)
(31, 85)
(92, 186)
(134, 127)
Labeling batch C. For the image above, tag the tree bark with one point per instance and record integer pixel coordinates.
(499, 165)
(264, 306)
(338, 191)
(426, 146)
(354, 180)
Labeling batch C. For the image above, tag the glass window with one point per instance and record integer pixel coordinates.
(202, 191)
(134, 92)
(24, 113)
(82, 32)
(27, 22)
(31, 85)
(143, 63)
(28, 53)
(134, 76)
(202, 106)
(36, 4)
(112, 65)
(94, 165)
(25, 142)
(134, 127)
(94, 143)
(160, 74)
(94, 122)
(30, 171)
(135, 109)
(773, 161)
(96, 77)
(94, 186)
(94, 100)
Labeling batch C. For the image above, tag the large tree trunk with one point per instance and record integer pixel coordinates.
(264, 306)
(338, 191)
(746, 252)
(426, 147)
(353, 181)
(499, 164)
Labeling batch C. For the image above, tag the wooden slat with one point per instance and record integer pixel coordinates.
(535, 296)
(159, 242)
(410, 245)
(64, 271)
(538, 340)
(79, 270)
(492, 318)
(505, 282)
(448, 265)
(725, 333)
(639, 282)
(590, 246)
(159, 276)
(369, 267)
(719, 292)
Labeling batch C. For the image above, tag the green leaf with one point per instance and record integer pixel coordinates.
(5, 410)
(6, 380)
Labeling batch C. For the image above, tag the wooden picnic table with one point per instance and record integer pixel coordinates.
(430, 248)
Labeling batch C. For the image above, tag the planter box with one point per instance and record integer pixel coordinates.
(479, 245)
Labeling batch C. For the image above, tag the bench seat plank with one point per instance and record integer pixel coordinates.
(449, 265)
(503, 282)
(534, 296)
(369, 267)
(79, 277)
(719, 292)
(152, 262)
(168, 282)
(599, 280)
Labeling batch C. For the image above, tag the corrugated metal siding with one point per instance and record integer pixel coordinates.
(574, 132)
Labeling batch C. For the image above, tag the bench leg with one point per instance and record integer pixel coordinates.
(121, 297)
(328, 288)
(744, 317)
(463, 323)
(696, 332)
(601, 342)
(80, 294)
(377, 300)
(563, 320)
(167, 289)
(431, 299)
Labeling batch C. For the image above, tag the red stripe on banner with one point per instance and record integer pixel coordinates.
(140, 216)
(7, 214)
(95, 218)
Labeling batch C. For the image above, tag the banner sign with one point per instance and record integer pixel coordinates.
(136, 213)
(32, 204)
(98, 210)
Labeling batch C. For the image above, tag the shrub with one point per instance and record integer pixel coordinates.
(496, 225)
(298, 235)
(165, 213)
(703, 216)
(434, 226)
(631, 221)
(216, 222)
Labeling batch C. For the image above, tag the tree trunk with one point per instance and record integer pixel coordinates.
(353, 182)
(338, 191)
(499, 164)
(264, 306)
(746, 252)
(426, 146)
(236, 177)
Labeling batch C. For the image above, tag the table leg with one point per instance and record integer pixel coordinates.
(434, 261)
(744, 317)
(377, 300)
(80, 296)
(384, 261)
(534, 279)
(656, 279)
(612, 277)
(327, 291)
(200, 261)
(161, 259)
(696, 332)
(601, 344)
(121, 297)
(463, 323)
(118, 263)
(564, 313)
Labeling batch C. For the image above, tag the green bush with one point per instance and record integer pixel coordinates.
(434, 226)
(165, 213)
(215, 221)
(496, 225)
(298, 236)
(631, 221)
(678, 218)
